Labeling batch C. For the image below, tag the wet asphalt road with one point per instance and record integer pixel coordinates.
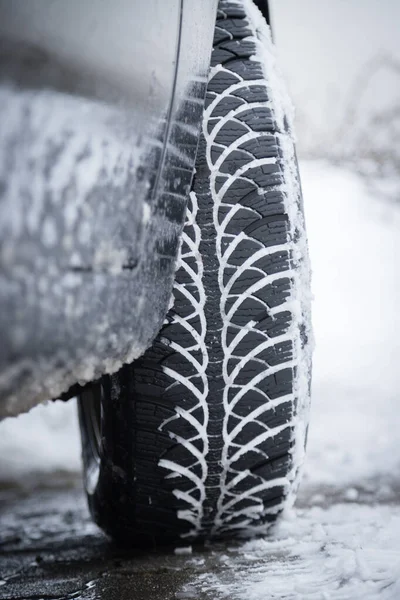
(51, 550)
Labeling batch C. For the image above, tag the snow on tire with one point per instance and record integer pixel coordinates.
(211, 422)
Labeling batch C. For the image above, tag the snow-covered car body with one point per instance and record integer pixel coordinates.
(100, 109)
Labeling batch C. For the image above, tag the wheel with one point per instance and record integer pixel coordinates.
(203, 436)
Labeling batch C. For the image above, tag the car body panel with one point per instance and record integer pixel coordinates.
(100, 109)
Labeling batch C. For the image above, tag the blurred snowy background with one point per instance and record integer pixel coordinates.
(341, 61)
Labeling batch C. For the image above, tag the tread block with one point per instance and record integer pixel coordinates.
(221, 80)
(235, 160)
(226, 105)
(258, 119)
(247, 70)
(252, 93)
(230, 132)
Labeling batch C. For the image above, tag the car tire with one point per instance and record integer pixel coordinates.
(203, 436)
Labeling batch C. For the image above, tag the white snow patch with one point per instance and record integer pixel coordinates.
(43, 441)
(355, 250)
(183, 550)
(347, 552)
(146, 213)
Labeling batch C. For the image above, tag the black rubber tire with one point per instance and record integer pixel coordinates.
(203, 436)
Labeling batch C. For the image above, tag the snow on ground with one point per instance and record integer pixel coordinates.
(343, 542)
(342, 553)
(355, 253)
(43, 441)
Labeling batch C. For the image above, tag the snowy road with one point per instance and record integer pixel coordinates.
(342, 541)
